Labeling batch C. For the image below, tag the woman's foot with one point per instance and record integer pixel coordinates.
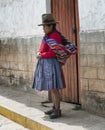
(55, 114)
(50, 111)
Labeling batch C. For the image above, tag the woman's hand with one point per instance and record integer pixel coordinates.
(38, 55)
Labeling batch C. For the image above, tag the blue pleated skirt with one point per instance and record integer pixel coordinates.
(48, 75)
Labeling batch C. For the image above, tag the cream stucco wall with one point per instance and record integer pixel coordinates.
(92, 14)
(21, 17)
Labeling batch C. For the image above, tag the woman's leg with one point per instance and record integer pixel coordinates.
(55, 112)
(56, 103)
(56, 98)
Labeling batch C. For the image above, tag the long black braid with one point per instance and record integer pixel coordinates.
(64, 40)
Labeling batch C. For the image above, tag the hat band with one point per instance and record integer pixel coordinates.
(48, 21)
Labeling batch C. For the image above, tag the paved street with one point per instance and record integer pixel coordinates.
(6, 124)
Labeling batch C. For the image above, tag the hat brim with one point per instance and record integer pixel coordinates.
(48, 23)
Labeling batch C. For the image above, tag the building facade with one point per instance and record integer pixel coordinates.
(20, 38)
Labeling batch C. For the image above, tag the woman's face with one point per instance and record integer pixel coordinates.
(47, 28)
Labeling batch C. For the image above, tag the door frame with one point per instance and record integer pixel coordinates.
(76, 10)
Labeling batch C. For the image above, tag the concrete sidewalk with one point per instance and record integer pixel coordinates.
(27, 110)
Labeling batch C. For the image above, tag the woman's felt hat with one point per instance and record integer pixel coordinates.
(48, 19)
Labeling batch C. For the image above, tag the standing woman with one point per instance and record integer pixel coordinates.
(48, 74)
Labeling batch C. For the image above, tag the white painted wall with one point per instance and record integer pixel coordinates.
(21, 17)
(92, 14)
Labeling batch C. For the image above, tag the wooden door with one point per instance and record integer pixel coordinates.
(66, 11)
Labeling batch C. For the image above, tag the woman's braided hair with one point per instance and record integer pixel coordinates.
(64, 40)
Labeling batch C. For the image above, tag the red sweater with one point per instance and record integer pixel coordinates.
(45, 50)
